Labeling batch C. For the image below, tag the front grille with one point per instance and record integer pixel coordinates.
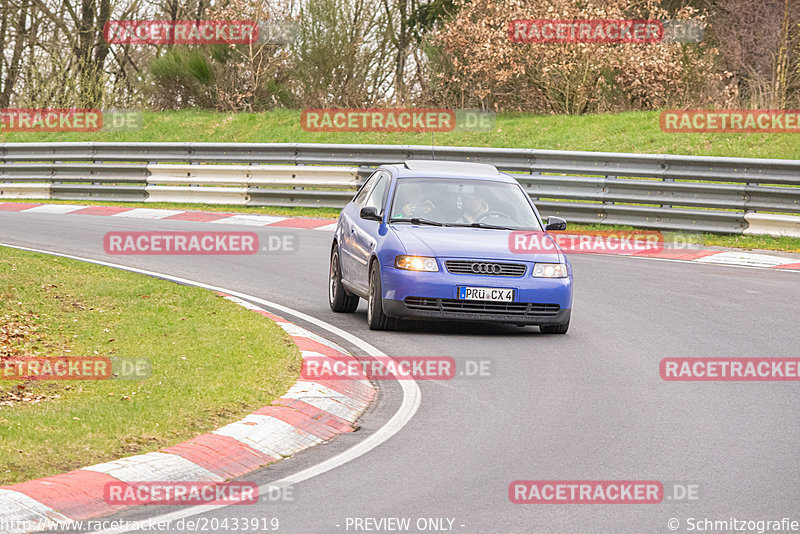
(484, 306)
(485, 268)
(510, 309)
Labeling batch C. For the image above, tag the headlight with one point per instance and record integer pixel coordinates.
(550, 270)
(416, 263)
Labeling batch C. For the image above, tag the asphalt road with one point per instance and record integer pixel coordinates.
(586, 406)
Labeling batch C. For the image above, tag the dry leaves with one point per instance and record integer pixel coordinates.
(482, 67)
(24, 335)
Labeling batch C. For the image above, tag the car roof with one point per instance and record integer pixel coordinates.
(422, 168)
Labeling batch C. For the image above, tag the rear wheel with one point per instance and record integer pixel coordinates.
(554, 328)
(338, 297)
(376, 319)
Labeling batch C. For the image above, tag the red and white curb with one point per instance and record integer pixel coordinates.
(311, 412)
(172, 215)
(686, 253)
(734, 258)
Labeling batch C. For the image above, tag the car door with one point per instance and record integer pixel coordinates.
(349, 218)
(365, 232)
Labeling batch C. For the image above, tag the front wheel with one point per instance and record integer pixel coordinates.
(338, 298)
(376, 319)
(554, 328)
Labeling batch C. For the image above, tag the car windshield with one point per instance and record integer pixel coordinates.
(463, 202)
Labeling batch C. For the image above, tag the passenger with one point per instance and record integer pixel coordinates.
(474, 206)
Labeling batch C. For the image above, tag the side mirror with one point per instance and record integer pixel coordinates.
(370, 213)
(556, 223)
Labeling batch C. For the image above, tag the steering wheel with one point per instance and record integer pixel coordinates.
(494, 213)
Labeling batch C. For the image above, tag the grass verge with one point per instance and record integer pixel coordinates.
(212, 363)
(637, 132)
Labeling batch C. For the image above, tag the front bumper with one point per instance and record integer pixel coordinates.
(476, 311)
(434, 295)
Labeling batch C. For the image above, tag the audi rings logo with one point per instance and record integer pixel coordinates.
(486, 268)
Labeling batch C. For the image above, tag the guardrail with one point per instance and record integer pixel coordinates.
(694, 193)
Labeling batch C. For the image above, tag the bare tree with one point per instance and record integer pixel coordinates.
(21, 38)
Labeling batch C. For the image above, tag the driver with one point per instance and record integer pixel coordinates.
(474, 206)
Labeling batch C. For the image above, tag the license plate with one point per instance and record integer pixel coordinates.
(486, 293)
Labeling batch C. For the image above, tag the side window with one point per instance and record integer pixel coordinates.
(378, 193)
(361, 196)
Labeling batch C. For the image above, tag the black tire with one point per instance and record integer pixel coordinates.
(554, 328)
(376, 319)
(339, 299)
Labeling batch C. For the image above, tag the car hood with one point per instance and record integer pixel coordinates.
(467, 243)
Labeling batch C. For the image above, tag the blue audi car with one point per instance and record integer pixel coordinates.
(430, 240)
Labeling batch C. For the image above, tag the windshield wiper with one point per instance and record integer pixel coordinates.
(481, 225)
(417, 220)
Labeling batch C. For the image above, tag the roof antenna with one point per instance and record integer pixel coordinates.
(433, 150)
